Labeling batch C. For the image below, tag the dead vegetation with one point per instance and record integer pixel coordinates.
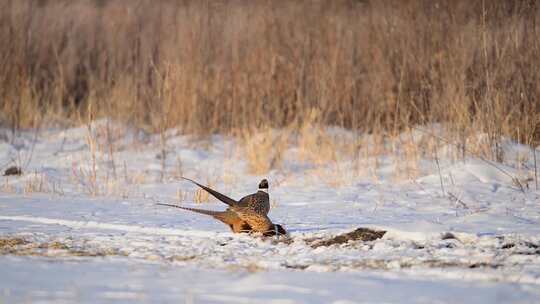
(67, 248)
(9, 243)
(277, 75)
(360, 234)
(13, 170)
(207, 66)
(53, 248)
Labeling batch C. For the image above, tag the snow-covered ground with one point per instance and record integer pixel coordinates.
(67, 237)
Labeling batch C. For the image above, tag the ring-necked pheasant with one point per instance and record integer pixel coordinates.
(231, 219)
(249, 212)
(258, 202)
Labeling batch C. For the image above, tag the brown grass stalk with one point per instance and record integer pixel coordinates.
(215, 66)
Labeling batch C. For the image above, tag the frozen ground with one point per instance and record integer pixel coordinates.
(66, 238)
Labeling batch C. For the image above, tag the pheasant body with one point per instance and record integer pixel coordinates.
(249, 214)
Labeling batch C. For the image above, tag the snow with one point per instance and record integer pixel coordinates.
(107, 241)
(118, 280)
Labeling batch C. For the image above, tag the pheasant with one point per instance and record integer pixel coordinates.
(258, 202)
(231, 219)
(250, 212)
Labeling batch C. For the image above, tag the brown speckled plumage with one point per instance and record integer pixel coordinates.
(237, 224)
(228, 217)
(249, 213)
(258, 202)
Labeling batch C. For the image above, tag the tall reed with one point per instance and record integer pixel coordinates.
(215, 66)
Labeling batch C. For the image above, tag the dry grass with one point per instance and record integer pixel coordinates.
(275, 74)
(201, 196)
(9, 243)
(315, 143)
(7, 187)
(253, 67)
(263, 149)
(19, 246)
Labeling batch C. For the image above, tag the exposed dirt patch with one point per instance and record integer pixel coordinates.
(181, 258)
(295, 266)
(532, 245)
(448, 236)
(485, 265)
(508, 246)
(360, 234)
(281, 240)
(382, 264)
(9, 243)
(20, 246)
(14, 170)
(54, 245)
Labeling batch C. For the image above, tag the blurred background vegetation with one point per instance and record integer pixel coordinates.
(210, 66)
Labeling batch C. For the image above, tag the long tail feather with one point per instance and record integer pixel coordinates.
(225, 199)
(202, 211)
(218, 215)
